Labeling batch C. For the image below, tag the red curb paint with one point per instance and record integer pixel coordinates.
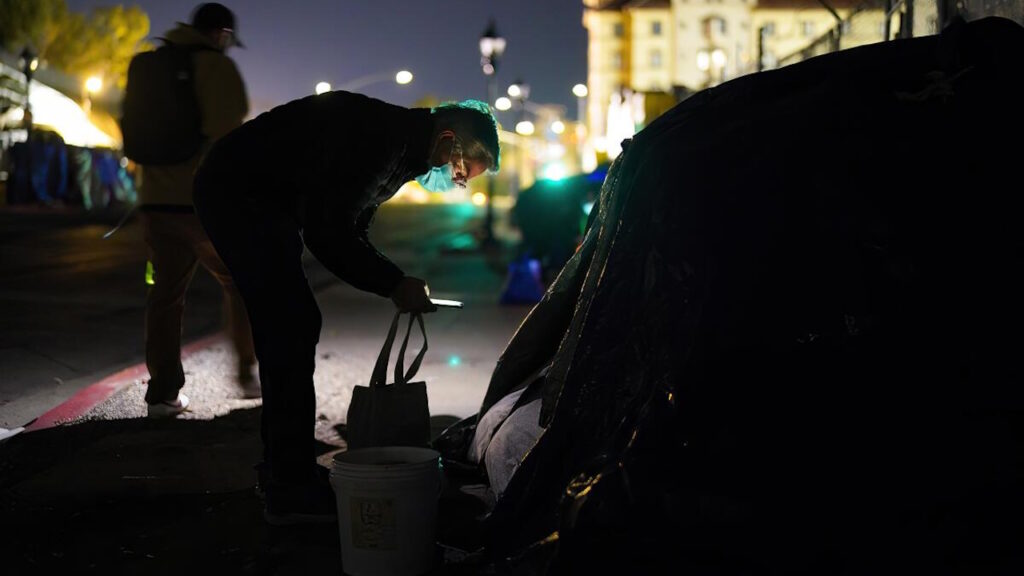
(94, 394)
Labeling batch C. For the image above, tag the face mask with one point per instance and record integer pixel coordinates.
(438, 179)
(442, 178)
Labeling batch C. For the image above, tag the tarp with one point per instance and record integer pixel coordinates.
(791, 340)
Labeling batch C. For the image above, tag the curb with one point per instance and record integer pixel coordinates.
(94, 394)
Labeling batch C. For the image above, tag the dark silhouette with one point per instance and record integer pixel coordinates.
(313, 172)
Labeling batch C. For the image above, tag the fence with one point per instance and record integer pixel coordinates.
(881, 20)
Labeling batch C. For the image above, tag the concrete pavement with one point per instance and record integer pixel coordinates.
(72, 302)
(112, 492)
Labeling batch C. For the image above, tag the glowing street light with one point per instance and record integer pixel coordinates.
(580, 90)
(503, 103)
(525, 128)
(93, 85)
(403, 77)
(322, 87)
(558, 127)
(515, 91)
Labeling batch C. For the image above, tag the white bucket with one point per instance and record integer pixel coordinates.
(387, 509)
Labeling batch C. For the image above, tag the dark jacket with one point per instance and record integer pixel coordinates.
(329, 161)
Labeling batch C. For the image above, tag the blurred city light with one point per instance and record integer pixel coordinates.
(403, 77)
(515, 91)
(580, 90)
(67, 117)
(525, 128)
(558, 127)
(479, 198)
(503, 103)
(588, 207)
(703, 60)
(454, 360)
(93, 85)
(322, 87)
(718, 58)
(555, 171)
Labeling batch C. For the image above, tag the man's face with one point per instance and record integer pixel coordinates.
(463, 169)
(472, 167)
(224, 38)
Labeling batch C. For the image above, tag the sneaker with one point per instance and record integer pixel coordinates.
(168, 408)
(289, 505)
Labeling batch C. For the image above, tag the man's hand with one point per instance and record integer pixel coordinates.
(412, 295)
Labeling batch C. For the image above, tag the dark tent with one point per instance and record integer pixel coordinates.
(791, 342)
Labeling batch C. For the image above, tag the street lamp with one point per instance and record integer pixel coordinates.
(580, 91)
(503, 103)
(91, 86)
(524, 128)
(492, 46)
(29, 63)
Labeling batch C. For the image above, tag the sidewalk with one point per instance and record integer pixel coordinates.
(108, 491)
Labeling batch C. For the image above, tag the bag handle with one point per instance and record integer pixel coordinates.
(401, 378)
(380, 369)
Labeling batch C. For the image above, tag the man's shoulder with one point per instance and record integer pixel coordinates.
(213, 57)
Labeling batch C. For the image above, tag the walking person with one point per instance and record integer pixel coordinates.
(180, 99)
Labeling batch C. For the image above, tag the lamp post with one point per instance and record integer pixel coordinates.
(519, 92)
(492, 46)
(29, 63)
(91, 87)
(581, 92)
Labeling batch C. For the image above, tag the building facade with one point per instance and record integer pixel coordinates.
(677, 47)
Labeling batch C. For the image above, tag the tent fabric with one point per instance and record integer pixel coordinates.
(789, 341)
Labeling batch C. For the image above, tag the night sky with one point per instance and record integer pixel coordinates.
(291, 45)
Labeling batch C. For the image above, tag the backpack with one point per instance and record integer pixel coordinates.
(161, 122)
